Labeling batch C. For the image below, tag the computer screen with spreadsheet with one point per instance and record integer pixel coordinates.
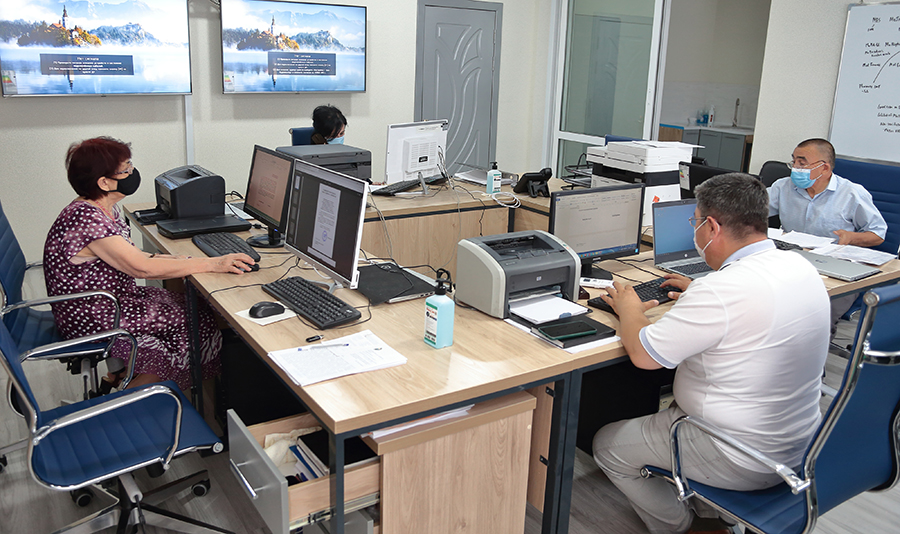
(599, 224)
(326, 212)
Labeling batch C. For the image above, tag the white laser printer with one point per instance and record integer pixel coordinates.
(495, 270)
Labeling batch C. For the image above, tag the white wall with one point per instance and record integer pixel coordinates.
(715, 54)
(35, 132)
(803, 53)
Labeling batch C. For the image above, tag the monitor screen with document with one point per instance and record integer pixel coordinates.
(599, 224)
(267, 189)
(326, 212)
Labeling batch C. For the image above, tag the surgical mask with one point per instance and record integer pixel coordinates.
(129, 185)
(801, 177)
(701, 251)
(335, 141)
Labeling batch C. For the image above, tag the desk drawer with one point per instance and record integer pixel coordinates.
(286, 508)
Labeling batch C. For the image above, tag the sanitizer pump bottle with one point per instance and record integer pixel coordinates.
(439, 309)
(493, 179)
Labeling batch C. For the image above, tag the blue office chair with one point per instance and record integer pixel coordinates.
(854, 450)
(109, 437)
(301, 136)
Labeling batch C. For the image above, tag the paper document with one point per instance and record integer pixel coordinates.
(857, 254)
(806, 240)
(539, 310)
(774, 233)
(356, 353)
(478, 176)
(443, 416)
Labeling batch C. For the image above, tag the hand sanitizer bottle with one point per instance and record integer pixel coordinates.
(439, 310)
(493, 179)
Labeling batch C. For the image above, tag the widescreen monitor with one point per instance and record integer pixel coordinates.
(325, 217)
(690, 175)
(292, 47)
(599, 224)
(48, 47)
(271, 174)
(415, 148)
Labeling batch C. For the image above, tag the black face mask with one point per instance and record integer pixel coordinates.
(129, 184)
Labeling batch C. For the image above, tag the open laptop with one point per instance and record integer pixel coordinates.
(673, 239)
(386, 282)
(841, 269)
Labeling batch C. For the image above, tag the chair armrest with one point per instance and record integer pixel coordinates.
(61, 298)
(796, 483)
(34, 264)
(47, 352)
(129, 397)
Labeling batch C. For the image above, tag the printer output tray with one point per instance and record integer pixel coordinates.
(180, 228)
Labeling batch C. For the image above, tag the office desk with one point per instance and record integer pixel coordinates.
(488, 359)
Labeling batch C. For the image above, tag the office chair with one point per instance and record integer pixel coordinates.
(772, 171)
(855, 449)
(301, 136)
(104, 438)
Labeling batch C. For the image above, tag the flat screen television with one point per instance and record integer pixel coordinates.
(50, 48)
(292, 47)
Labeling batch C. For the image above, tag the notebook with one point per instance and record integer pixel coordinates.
(386, 282)
(845, 270)
(178, 228)
(673, 239)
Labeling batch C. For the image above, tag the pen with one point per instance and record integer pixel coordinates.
(323, 346)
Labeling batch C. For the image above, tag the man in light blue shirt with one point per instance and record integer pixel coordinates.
(816, 201)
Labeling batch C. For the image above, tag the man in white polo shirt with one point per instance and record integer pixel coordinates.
(749, 342)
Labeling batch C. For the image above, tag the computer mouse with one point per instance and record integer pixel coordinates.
(265, 309)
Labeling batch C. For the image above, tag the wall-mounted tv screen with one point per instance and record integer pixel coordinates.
(88, 47)
(271, 46)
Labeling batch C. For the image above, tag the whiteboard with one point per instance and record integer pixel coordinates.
(865, 121)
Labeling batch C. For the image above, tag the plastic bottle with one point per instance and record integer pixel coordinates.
(439, 310)
(712, 114)
(493, 179)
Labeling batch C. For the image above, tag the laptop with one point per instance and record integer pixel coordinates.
(179, 228)
(386, 282)
(841, 269)
(673, 239)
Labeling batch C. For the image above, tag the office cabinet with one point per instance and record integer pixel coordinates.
(721, 148)
(691, 137)
(711, 143)
(731, 152)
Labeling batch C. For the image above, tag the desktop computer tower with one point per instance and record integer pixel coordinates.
(349, 160)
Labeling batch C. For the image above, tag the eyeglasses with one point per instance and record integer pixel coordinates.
(128, 170)
(694, 220)
(798, 165)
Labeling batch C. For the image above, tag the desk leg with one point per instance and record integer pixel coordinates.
(194, 332)
(336, 458)
(561, 468)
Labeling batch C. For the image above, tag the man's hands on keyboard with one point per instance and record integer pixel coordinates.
(642, 296)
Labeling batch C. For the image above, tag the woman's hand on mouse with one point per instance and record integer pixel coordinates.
(231, 263)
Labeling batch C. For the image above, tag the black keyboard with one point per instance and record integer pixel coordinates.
(405, 185)
(784, 245)
(645, 291)
(222, 243)
(311, 301)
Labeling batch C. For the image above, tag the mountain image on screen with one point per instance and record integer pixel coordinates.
(87, 47)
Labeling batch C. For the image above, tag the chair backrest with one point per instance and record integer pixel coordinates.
(12, 269)
(302, 136)
(13, 367)
(883, 183)
(855, 448)
(773, 170)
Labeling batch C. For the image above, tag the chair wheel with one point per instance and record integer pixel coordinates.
(82, 497)
(201, 488)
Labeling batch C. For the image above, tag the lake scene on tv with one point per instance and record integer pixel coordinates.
(49, 47)
(272, 46)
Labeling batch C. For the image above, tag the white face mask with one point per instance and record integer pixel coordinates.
(701, 251)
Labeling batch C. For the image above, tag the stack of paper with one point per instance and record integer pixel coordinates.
(806, 240)
(539, 310)
(857, 254)
(356, 353)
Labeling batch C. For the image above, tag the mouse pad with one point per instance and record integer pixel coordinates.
(286, 314)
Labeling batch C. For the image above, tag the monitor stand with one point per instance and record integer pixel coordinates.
(272, 240)
(588, 270)
(331, 286)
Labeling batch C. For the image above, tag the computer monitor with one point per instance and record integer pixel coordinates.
(325, 218)
(599, 224)
(414, 148)
(690, 175)
(267, 193)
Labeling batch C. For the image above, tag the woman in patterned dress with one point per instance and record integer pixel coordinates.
(89, 247)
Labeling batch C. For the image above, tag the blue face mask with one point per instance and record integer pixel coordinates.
(801, 177)
(335, 141)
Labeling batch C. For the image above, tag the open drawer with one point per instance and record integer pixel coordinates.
(284, 508)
